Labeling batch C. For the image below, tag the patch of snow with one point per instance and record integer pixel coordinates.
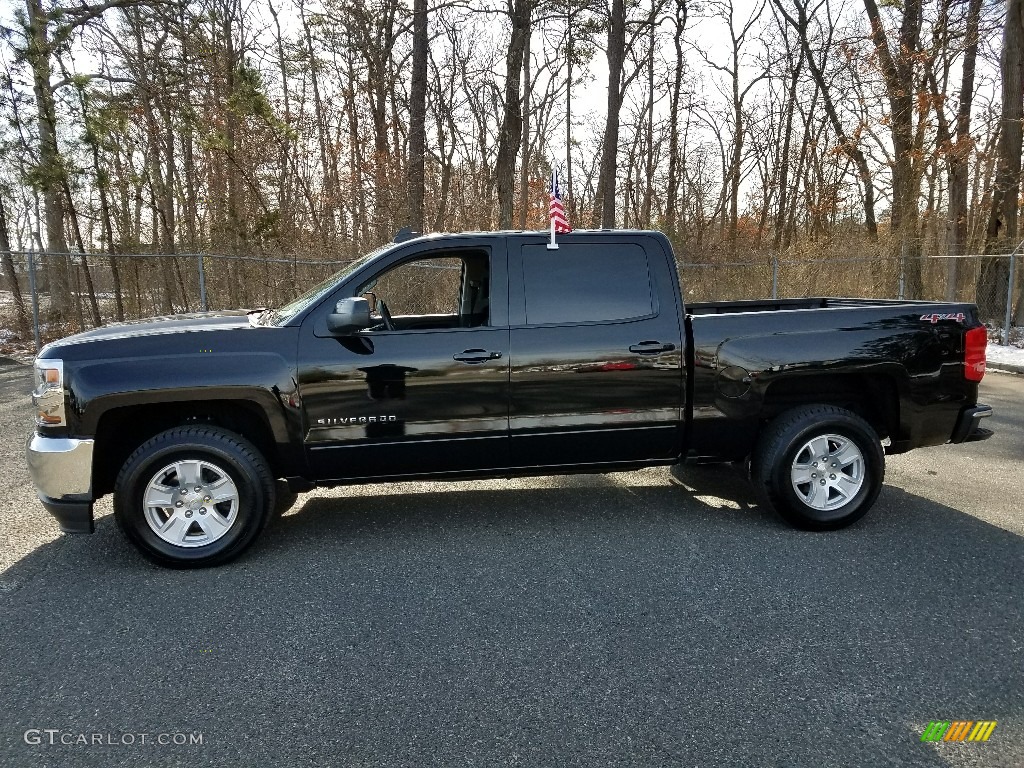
(1011, 355)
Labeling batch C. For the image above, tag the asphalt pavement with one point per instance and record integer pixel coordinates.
(600, 620)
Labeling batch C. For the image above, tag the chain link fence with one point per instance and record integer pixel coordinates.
(128, 286)
(990, 281)
(132, 286)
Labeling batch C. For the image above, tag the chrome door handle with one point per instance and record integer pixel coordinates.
(651, 347)
(476, 356)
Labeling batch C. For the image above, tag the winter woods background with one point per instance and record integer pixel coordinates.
(314, 129)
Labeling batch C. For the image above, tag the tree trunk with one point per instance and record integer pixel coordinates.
(524, 173)
(50, 170)
(377, 56)
(672, 193)
(87, 273)
(159, 194)
(848, 145)
(898, 73)
(1001, 233)
(510, 133)
(787, 138)
(102, 183)
(417, 116)
(328, 159)
(604, 209)
(21, 316)
(568, 196)
(647, 150)
(959, 154)
(736, 161)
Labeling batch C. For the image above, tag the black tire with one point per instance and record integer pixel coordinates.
(775, 471)
(222, 455)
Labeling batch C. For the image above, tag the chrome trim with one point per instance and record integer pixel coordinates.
(642, 418)
(517, 435)
(61, 467)
(570, 421)
(361, 431)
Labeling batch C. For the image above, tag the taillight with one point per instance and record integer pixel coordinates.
(974, 353)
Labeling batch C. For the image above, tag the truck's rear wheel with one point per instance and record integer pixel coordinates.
(820, 467)
(194, 496)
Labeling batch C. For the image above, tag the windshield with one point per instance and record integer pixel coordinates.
(283, 315)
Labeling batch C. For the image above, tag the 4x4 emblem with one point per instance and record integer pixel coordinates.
(935, 317)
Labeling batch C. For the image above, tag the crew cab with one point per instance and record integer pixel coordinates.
(474, 355)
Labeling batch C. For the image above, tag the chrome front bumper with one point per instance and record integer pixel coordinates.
(61, 469)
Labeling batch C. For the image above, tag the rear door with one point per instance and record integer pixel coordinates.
(597, 351)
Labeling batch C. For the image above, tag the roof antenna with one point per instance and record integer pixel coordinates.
(406, 233)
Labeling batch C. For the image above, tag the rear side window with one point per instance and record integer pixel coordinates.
(586, 282)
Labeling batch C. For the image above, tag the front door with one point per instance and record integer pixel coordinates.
(425, 390)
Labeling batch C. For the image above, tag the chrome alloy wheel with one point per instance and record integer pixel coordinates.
(191, 503)
(828, 472)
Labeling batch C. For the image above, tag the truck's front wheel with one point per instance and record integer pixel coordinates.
(194, 496)
(820, 467)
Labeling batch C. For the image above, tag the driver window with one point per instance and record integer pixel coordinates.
(433, 292)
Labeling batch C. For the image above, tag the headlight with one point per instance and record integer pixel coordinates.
(48, 396)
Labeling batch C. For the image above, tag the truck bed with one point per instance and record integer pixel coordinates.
(908, 355)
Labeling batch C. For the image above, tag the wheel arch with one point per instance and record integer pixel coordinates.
(873, 397)
(120, 430)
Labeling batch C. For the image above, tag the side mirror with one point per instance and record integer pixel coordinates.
(349, 316)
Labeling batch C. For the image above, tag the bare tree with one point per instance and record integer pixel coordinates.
(616, 52)
(957, 150)
(619, 44)
(737, 94)
(417, 115)
(219, 126)
(676, 158)
(11, 276)
(848, 143)
(49, 175)
(511, 128)
(897, 63)
(1002, 231)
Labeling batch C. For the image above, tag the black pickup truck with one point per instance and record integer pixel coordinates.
(491, 355)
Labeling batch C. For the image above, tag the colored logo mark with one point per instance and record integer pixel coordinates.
(958, 730)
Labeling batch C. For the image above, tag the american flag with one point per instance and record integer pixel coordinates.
(556, 211)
